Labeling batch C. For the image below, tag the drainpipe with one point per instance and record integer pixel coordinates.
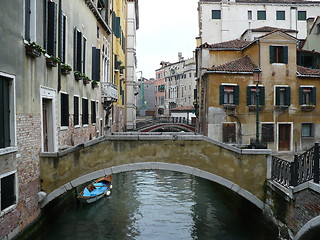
(59, 44)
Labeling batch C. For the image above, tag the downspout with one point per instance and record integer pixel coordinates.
(59, 44)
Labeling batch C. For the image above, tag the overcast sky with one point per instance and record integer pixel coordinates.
(166, 28)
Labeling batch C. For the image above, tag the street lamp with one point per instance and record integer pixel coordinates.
(256, 78)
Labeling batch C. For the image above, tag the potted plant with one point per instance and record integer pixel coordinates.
(52, 61)
(94, 84)
(34, 50)
(308, 107)
(86, 80)
(78, 75)
(65, 69)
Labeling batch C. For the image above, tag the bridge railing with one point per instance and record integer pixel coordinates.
(304, 168)
(182, 120)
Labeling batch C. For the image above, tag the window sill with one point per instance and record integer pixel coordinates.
(77, 126)
(229, 106)
(8, 150)
(63, 128)
(306, 108)
(253, 108)
(8, 210)
(281, 107)
(85, 125)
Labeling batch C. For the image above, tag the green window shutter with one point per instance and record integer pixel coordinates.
(221, 94)
(313, 95)
(300, 95)
(4, 113)
(52, 28)
(117, 31)
(277, 96)
(285, 52)
(236, 95)
(248, 95)
(262, 96)
(288, 96)
(271, 51)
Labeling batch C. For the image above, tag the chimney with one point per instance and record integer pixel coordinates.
(310, 22)
(180, 56)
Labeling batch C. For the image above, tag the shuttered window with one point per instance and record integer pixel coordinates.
(85, 111)
(75, 110)
(64, 109)
(52, 28)
(95, 64)
(77, 53)
(229, 94)
(229, 132)
(307, 95)
(261, 15)
(8, 191)
(279, 54)
(251, 95)
(4, 113)
(64, 38)
(267, 132)
(27, 20)
(83, 54)
(282, 96)
(30, 20)
(93, 112)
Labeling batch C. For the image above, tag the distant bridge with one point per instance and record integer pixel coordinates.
(167, 124)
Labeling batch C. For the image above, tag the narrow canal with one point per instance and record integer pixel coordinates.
(161, 205)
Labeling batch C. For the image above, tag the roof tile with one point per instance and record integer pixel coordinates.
(244, 64)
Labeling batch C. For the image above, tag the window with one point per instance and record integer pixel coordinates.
(249, 15)
(75, 110)
(229, 94)
(8, 190)
(85, 111)
(64, 102)
(281, 15)
(307, 130)
(251, 95)
(7, 112)
(93, 112)
(79, 52)
(267, 132)
(307, 95)
(64, 38)
(261, 15)
(51, 43)
(282, 96)
(302, 15)
(216, 14)
(95, 64)
(30, 20)
(279, 54)
(229, 132)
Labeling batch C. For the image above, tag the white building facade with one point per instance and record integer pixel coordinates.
(221, 21)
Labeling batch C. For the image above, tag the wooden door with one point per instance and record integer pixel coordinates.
(284, 137)
(45, 125)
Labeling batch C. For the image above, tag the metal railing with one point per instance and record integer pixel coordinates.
(304, 168)
(182, 120)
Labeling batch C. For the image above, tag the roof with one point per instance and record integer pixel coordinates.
(278, 31)
(240, 65)
(271, 29)
(235, 44)
(307, 72)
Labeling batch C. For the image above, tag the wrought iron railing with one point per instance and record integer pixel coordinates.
(183, 120)
(304, 168)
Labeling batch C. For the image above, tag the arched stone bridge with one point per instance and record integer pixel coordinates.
(164, 126)
(242, 171)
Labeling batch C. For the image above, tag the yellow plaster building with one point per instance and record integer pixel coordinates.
(288, 116)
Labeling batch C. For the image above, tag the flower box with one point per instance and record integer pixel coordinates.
(94, 84)
(86, 80)
(32, 52)
(78, 75)
(307, 108)
(50, 62)
(65, 69)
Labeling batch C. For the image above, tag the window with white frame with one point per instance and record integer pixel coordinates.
(307, 95)
(8, 190)
(307, 130)
(229, 94)
(282, 96)
(7, 111)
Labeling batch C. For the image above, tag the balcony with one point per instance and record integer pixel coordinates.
(109, 91)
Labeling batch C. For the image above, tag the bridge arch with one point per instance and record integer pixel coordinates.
(155, 127)
(307, 228)
(156, 166)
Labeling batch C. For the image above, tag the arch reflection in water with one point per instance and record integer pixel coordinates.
(161, 205)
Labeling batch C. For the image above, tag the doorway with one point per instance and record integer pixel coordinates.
(47, 126)
(284, 137)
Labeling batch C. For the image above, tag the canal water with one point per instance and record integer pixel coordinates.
(161, 205)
